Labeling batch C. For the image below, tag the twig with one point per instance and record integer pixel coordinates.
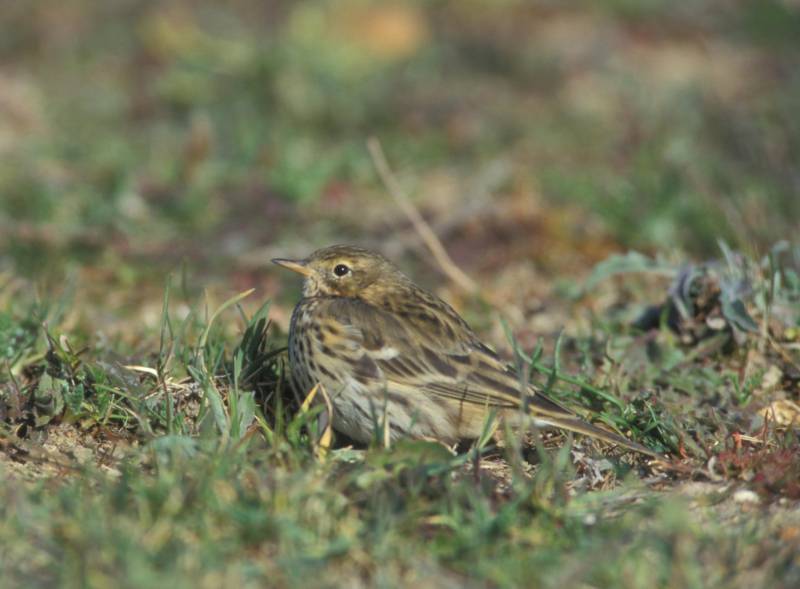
(324, 442)
(453, 272)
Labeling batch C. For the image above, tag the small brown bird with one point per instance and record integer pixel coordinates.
(385, 349)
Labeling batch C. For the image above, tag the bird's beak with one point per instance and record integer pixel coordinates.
(299, 266)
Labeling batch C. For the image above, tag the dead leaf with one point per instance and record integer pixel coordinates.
(783, 413)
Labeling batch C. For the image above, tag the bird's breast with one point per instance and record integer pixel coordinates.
(320, 350)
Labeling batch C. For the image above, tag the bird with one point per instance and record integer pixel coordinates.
(389, 352)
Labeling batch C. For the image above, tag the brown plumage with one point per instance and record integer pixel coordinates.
(383, 348)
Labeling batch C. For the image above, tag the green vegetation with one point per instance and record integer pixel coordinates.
(155, 156)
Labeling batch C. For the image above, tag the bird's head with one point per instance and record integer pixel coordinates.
(345, 271)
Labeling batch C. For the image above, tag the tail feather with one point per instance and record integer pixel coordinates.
(549, 412)
(577, 425)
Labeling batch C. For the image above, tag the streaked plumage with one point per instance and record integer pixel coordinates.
(383, 347)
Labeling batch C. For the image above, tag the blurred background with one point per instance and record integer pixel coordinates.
(141, 138)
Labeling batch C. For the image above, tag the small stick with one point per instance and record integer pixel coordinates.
(422, 227)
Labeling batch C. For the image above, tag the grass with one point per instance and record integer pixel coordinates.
(199, 471)
(155, 156)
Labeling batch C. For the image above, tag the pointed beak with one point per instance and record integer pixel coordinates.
(299, 266)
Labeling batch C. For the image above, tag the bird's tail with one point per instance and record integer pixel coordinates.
(577, 425)
(548, 412)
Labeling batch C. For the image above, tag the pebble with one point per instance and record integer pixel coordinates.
(746, 496)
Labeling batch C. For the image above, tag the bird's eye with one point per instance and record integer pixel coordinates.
(340, 270)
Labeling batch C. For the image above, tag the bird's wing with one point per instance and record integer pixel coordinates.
(449, 362)
(445, 360)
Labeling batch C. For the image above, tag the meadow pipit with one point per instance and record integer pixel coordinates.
(388, 352)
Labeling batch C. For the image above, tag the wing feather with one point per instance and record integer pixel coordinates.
(463, 371)
(448, 362)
